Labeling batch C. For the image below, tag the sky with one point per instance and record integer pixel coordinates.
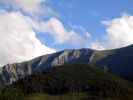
(31, 28)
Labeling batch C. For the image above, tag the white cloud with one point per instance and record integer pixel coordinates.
(119, 31)
(17, 38)
(19, 43)
(32, 7)
(60, 34)
(80, 28)
(96, 46)
(53, 26)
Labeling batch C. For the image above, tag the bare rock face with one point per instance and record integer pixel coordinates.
(73, 56)
(66, 56)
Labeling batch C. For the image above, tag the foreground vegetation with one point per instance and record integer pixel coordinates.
(70, 96)
(70, 82)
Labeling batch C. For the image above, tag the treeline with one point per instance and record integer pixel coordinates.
(73, 78)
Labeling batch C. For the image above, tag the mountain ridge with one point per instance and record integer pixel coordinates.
(101, 59)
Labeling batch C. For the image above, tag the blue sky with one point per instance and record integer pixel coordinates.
(31, 28)
(88, 14)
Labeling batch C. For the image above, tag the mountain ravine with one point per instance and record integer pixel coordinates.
(117, 61)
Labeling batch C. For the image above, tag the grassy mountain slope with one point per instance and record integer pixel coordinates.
(75, 78)
(119, 63)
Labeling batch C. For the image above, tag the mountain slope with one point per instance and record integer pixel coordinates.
(117, 61)
(71, 78)
(120, 62)
(12, 72)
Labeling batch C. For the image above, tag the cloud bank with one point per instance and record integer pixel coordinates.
(59, 33)
(18, 41)
(119, 33)
(30, 7)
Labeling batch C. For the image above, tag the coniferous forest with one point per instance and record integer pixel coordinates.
(69, 79)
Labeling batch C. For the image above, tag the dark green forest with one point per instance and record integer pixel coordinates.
(66, 79)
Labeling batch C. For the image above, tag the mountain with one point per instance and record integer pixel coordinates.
(74, 78)
(120, 62)
(117, 61)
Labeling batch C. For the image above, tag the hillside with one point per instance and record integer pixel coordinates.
(117, 61)
(75, 78)
(120, 62)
